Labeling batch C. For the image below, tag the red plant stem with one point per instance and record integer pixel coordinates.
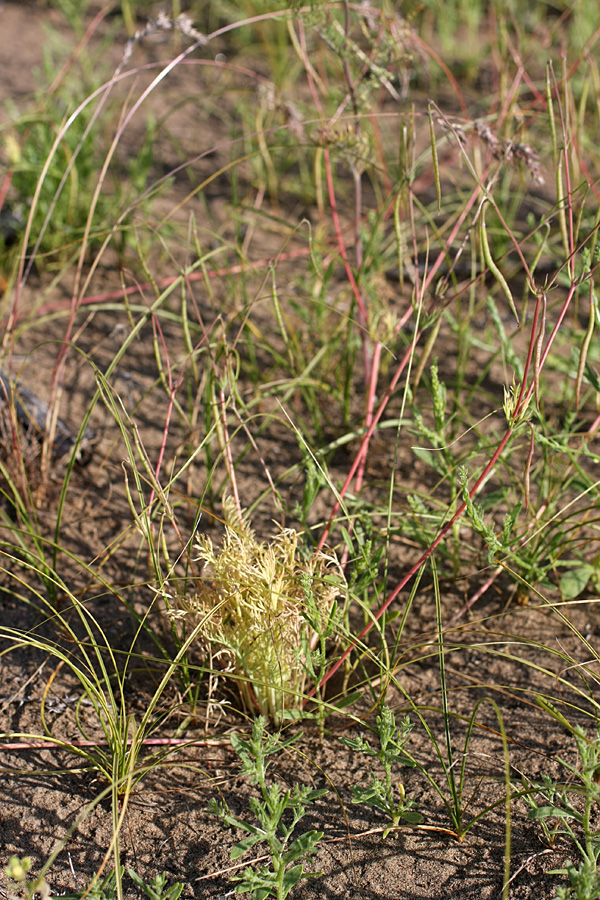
(509, 99)
(594, 425)
(382, 406)
(371, 361)
(340, 241)
(371, 395)
(163, 283)
(4, 187)
(523, 400)
(78, 50)
(308, 68)
(526, 396)
(447, 72)
(415, 568)
(530, 352)
(367, 437)
(450, 239)
(476, 596)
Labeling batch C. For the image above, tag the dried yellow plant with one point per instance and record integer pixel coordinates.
(265, 608)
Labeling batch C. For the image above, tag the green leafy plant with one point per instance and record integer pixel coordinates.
(157, 888)
(106, 889)
(20, 886)
(277, 812)
(584, 882)
(568, 810)
(99, 889)
(384, 794)
(578, 576)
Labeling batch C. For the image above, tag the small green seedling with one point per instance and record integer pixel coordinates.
(380, 794)
(572, 810)
(107, 888)
(157, 888)
(20, 886)
(584, 882)
(277, 814)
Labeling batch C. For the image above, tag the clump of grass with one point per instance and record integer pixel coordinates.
(264, 605)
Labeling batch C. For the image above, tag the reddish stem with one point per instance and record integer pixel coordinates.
(415, 568)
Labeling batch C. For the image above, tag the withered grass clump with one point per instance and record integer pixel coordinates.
(265, 608)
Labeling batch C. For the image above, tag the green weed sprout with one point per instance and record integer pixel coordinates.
(287, 859)
(20, 886)
(380, 794)
(574, 819)
(157, 888)
(263, 606)
(105, 889)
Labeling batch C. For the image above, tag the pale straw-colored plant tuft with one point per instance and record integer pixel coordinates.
(265, 608)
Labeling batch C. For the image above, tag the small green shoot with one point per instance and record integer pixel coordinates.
(156, 889)
(585, 882)
(573, 807)
(578, 576)
(273, 827)
(381, 794)
(105, 889)
(20, 886)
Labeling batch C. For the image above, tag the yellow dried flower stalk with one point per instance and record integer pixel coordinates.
(255, 600)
